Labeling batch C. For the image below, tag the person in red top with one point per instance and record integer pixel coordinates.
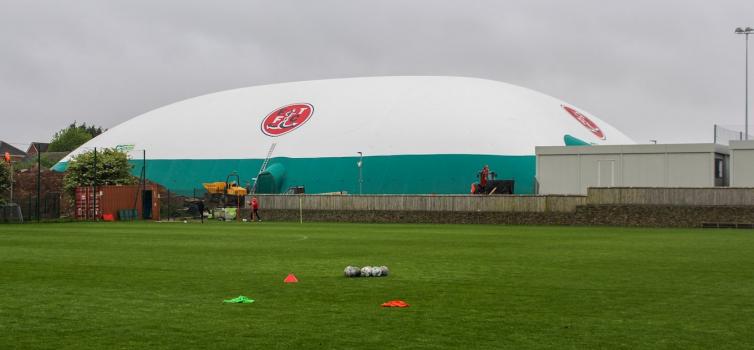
(483, 175)
(254, 209)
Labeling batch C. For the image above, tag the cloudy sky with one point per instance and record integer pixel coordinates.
(663, 70)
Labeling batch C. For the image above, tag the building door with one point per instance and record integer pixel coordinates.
(605, 173)
(146, 205)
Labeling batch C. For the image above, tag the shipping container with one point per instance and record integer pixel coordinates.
(118, 201)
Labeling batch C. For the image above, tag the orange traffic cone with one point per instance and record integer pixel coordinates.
(291, 279)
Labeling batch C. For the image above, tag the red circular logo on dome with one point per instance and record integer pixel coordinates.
(286, 119)
(586, 122)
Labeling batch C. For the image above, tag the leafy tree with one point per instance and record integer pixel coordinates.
(68, 139)
(73, 136)
(112, 169)
(92, 130)
(4, 179)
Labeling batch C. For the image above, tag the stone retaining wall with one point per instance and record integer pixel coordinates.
(600, 215)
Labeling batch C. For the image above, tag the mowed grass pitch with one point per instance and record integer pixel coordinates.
(152, 285)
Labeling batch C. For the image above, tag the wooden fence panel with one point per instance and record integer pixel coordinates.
(432, 203)
(513, 203)
(715, 196)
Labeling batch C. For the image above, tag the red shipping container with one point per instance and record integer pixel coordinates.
(112, 199)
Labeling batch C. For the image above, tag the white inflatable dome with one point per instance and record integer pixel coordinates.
(377, 116)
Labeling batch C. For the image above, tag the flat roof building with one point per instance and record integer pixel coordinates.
(742, 163)
(572, 169)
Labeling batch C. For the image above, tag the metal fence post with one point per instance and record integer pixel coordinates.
(94, 184)
(39, 181)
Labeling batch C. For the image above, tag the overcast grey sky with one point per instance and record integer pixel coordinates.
(664, 70)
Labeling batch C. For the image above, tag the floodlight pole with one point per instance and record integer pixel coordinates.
(746, 32)
(746, 128)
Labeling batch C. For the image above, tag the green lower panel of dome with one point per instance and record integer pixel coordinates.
(400, 174)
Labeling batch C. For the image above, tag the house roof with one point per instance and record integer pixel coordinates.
(7, 147)
(40, 146)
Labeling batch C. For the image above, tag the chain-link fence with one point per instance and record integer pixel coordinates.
(181, 204)
(11, 213)
(45, 207)
(29, 209)
(34, 196)
(726, 133)
(185, 204)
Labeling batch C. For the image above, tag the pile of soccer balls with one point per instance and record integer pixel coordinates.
(366, 271)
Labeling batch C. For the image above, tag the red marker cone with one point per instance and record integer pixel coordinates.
(291, 279)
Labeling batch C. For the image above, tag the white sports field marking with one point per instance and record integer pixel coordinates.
(301, 237)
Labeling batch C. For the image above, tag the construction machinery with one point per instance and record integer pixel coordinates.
(225, 198)
(226, 194)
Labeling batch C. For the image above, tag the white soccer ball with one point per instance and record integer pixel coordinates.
(185, 222)
(366, 271)
(376, 271)
(244, 220)
(351, 271)
(384, 271)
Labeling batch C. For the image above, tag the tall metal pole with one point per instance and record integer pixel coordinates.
(746, 32)
(39, 180)
(11, 182)
(144, 169)
(94, 184)
(143, 180)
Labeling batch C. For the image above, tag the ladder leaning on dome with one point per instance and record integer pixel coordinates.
(262, 168)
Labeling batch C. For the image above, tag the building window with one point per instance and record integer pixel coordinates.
(719, 168)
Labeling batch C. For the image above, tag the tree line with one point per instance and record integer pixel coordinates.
(110, 168)
(73, 136)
